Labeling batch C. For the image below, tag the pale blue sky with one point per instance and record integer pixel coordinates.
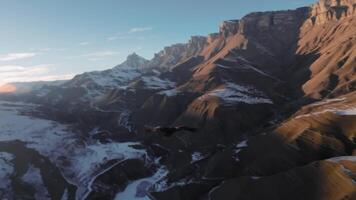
(50, 39)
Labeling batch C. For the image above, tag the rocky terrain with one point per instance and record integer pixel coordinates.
(272, 96)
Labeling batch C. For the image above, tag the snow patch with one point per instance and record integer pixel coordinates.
(338, 159)
(170, 93)
(197, 156)
(347, 112)
(6, 169)
(134, 189)
(155, 83)
(242, 144)
(124, 120)
(98, 81)
(328, 101)
(349, 172)
(86, 163)
(233, 94)
(336, 111)
(163, 185)
(65, 195)
(239, 147)
(34, 178)
(117, 75)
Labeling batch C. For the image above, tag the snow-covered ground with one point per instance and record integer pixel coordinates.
(242, 144)
(338, 159)
(328, 101)
(6, 170)
(170, 93)
(107, 78)
(239, 147)
(197, 156)
(233, 94)
(124, 120)
(351, 111)
(34, 178)
(98, 81)
(347, 112)
(155, 83)
(346, 170)
(79, 162)
(137, 190)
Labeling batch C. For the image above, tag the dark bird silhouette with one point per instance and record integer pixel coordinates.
(169, 131)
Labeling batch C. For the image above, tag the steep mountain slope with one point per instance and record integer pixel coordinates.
(95, 83)
(329, 35)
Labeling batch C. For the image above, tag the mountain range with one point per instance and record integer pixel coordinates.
(272, 96)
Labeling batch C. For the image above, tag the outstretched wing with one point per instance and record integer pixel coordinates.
(151, 129)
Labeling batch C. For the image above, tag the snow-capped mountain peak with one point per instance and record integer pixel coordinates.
(133, 61)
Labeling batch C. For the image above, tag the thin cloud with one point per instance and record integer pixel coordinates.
(84, 43)
(60, 49)
(126, 37)
(45, 49)
(16, 56)
(10, 68)
(130, 34)
(17, 73)
(139, 29)
(112, 38)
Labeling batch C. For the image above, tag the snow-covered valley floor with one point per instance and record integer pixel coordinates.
(78, 161)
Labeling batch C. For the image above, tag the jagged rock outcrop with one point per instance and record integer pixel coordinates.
(175, 54)
(134, 61)
(228, 28)
(326, 10)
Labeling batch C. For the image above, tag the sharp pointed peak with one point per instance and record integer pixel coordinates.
(134, 60)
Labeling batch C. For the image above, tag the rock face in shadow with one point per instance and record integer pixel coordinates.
(320, 180)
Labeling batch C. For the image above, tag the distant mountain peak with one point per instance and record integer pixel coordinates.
(134, 55)
(134, 61)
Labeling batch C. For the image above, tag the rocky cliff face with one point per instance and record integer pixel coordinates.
(327, 10)
(328, 36)
(178, 53)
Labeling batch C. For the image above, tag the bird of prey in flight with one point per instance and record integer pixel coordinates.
(168, 131)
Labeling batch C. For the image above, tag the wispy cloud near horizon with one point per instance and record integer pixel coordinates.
(130, 34)
(18, 73)
(84, 43)
(140, 29)
(16, 56)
